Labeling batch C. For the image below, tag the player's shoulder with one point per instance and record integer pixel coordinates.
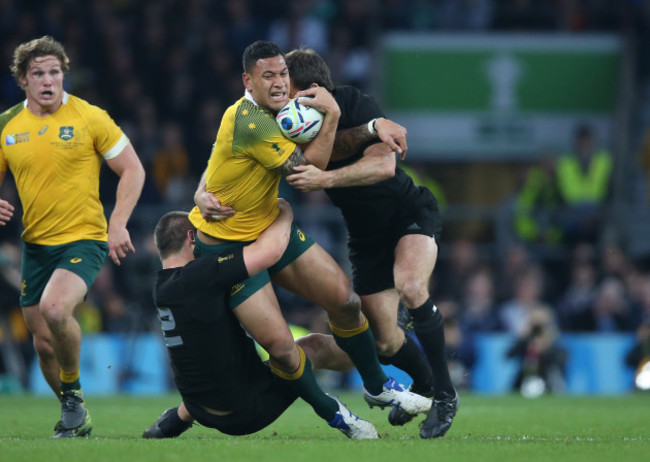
(85, 108)
(253, 122)
(6, 116)
(349, 93)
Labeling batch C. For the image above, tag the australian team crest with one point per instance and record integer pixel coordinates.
(66, 133)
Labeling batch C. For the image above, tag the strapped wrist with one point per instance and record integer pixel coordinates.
(372, 126)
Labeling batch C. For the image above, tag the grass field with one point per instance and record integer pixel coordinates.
(503, 428)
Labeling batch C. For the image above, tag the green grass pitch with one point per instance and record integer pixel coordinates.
(487, 428)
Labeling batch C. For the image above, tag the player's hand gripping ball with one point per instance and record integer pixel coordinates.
(298, 122)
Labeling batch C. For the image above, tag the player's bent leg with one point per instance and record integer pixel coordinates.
(381, 311)
(63, 292)
(415, 258)
(315, 276)
(262, 318)
(43, 346)
(411, 278)
(396, 348)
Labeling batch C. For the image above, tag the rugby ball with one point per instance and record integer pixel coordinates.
(298, 122)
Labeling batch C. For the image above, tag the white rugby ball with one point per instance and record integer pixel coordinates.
(298, 122)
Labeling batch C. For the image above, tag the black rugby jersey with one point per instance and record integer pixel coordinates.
(370, 208)
(215, 363)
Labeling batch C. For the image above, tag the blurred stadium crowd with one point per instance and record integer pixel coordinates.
(166, 71)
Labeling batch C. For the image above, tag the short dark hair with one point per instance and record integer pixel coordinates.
(260, 49)
(307, 67)
(37, 48)
(169, 234)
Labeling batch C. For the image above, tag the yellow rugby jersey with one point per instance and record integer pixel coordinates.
(241, 172)
(55, 161)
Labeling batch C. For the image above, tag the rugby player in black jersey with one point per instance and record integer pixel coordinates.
(217, 370)
(393, 230)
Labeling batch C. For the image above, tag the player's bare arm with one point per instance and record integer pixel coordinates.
(296, 159)
(6, 209)
(271, 244)
(319, 150)
(129, 168)
(377, 164)
(349, 140)
(210, 207)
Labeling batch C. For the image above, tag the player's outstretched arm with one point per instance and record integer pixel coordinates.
(129, 168)
(271, 244)
(6, 209)
(377, 164)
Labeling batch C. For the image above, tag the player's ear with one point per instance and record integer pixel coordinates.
(191, 236)
(246, 80)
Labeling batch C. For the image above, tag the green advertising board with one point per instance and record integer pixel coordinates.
(498, 95)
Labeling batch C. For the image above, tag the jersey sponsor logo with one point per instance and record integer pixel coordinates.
(43, 130)
(66, 133)
(17, 138)
(226, 258)
(75, 260)
(236, 288)
(413, 227)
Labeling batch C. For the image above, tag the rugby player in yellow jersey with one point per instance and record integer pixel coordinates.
(249, 158)
(54, 143)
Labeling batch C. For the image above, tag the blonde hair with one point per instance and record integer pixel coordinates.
(26, 52)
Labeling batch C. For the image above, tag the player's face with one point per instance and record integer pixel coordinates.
(268, 83)
(43, 85)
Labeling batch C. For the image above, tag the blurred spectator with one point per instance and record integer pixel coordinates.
(536, 203)
(542, 359)
(516, 259)
(611, 310)
(117, 317)
(171, 167)
(575, 306)
(297, 27)
(449, 278)
(514, 314)
(584, 178)
(614, 262)
(461, 355)
(477, 310)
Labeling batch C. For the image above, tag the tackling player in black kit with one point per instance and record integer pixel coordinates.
(217, 370)
(393, 226)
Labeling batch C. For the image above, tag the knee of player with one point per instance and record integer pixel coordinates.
(412, 292)
(54, 312)
(350, 303)
(385, 347)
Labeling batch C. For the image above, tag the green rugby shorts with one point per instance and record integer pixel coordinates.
(84, 258)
